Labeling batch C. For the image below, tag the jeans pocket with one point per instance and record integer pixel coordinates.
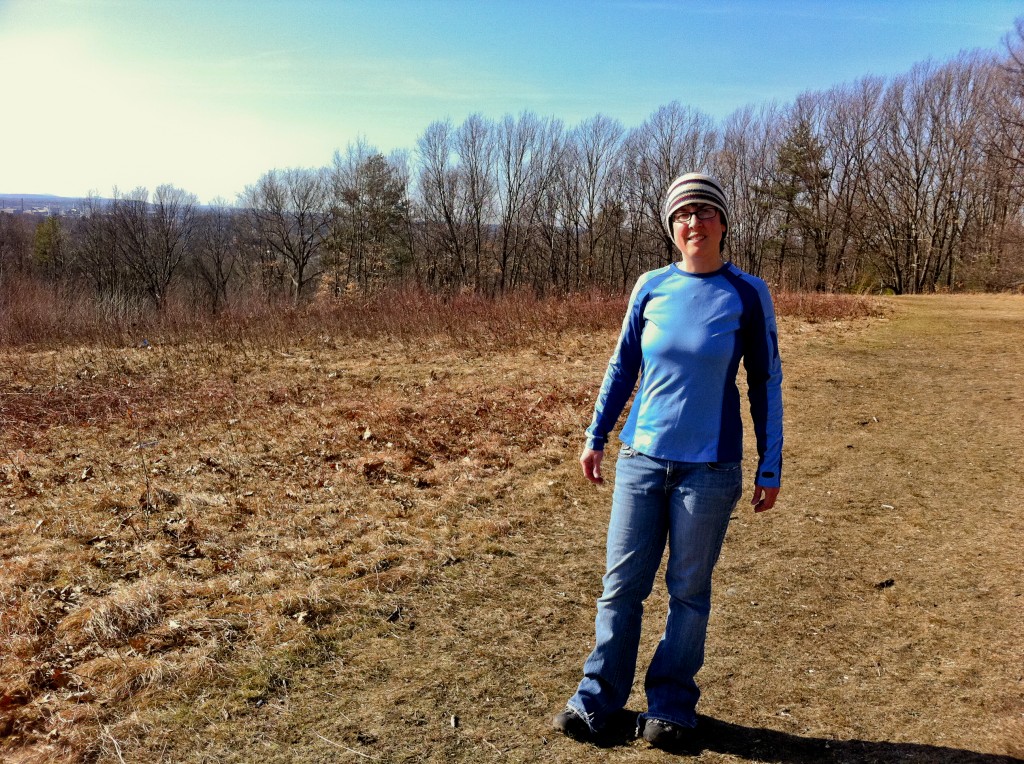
(723, 466)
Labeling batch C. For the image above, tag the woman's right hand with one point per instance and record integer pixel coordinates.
(591, 463)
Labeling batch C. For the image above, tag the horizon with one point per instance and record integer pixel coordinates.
(210, 97)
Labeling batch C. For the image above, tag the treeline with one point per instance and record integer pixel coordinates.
(912, 184)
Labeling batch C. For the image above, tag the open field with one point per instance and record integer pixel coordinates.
(356, 549)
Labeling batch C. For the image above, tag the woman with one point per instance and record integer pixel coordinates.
(678, 475)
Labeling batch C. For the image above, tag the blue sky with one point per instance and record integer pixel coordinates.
(209, 94)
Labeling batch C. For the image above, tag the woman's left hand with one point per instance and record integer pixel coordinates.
(764, 498)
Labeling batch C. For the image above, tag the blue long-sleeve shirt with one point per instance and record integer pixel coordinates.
(683, 336)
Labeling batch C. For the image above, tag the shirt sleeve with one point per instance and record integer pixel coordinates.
(764, 386)
(623, 370)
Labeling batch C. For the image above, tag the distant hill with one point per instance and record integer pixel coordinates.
(28, 202)
(46, 204)
(43, 204)
(11, 200)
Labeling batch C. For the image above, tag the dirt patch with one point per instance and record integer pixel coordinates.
(384, 552)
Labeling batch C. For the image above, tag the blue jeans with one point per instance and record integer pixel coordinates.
(689, 504)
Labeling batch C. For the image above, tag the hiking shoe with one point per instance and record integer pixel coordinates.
(666, 735)
(571, 723)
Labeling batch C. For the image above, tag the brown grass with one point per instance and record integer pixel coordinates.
(39, 316)
(344, 547)
(817, 307)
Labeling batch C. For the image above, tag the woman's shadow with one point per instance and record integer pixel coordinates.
(765, 745)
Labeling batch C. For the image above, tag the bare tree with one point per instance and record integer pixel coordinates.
(550, 257)
(174, 227)
(997, 225)
(517, 139)
(97, 249)
(290, 212)
(592, 153)
(622, 213)
(528, 154)
(745, 166)
(443, 210)
(849, 131)
(218, 252)
(1009, 105)
(924, 168)
(154, 238)
(474, 143)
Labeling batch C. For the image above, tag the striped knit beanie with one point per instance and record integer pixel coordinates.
(693, 188)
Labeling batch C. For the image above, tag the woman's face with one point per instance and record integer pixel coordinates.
(699, 240)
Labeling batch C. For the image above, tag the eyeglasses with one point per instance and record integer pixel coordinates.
(702, 213)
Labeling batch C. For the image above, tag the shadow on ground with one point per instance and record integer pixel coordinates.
(769, 746)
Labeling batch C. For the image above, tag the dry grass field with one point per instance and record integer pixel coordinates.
(330, 546)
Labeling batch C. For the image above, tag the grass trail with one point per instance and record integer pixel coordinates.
(903, 447)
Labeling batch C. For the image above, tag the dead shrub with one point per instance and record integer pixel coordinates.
(38, 315)
(815, 307)
(122, 677)
(113, 620)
